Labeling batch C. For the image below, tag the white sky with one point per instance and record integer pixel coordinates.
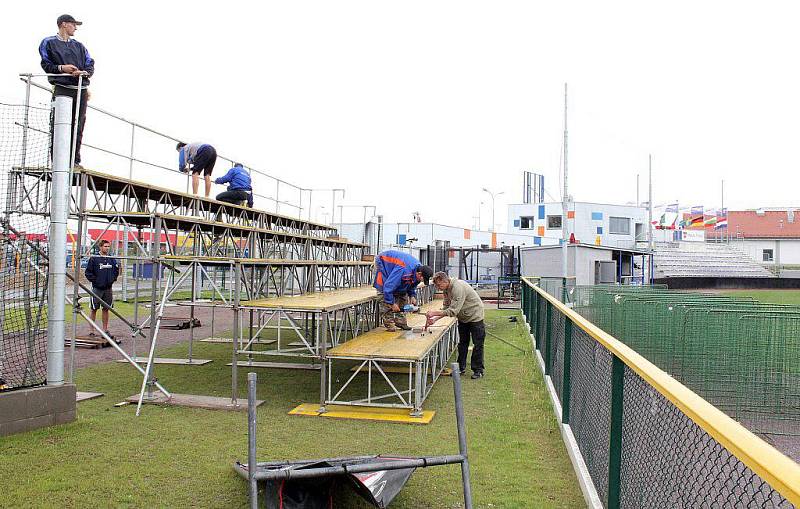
(417, 105)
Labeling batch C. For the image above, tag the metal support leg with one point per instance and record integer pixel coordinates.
(418, 390)
(251, 439)
(236, 335)
(462, 435)
(323, 354)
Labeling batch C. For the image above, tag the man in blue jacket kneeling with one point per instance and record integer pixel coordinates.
(240, 187)
(397, 275)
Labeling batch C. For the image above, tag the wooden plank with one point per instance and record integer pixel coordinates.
(401, 345)
(86, 396)
(194, 401)
(276, 365)
(229, 340)
(166, 360)
(317, 301)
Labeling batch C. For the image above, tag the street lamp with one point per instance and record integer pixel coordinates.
(492, 195)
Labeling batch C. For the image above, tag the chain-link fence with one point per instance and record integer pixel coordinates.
(739, 354)
(23, 246)
(645, 440)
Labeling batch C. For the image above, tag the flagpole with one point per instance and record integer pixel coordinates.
(650, 202)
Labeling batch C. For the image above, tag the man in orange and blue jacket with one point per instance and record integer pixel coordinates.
(397, 275)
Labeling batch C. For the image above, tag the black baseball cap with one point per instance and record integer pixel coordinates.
(66, 18)
(426, 271)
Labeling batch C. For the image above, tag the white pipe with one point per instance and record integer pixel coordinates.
(57, 238)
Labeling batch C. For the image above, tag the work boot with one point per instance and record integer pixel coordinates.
(476, 375)
(403, 326)
(390, 327)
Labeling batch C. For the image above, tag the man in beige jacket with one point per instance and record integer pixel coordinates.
(464, 303)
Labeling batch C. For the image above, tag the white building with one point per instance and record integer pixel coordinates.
(382, 236)
(619, 226)
(588, 264)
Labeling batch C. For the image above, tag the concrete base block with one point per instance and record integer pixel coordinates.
(28, 409)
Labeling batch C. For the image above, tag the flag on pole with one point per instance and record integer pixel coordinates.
(696, 215)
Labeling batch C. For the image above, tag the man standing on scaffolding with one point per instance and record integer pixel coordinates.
(197, 158)
(61, 54)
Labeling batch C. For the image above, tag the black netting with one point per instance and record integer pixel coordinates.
(590, 405)
(669, 461)
(23, 270)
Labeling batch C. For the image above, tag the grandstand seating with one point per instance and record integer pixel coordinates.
(702, 259)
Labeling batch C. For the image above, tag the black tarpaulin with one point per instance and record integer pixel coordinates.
(379, 487)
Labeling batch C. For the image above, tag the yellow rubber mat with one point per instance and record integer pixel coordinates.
(399, 415)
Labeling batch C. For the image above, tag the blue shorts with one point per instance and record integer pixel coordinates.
(205, 160)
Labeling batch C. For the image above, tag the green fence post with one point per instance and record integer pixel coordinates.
(534, 312)
(548, 336)
(615, 441)
(565, 386)
(524, 302)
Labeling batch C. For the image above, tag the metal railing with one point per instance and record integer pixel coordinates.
(301, 198)
(638, 437)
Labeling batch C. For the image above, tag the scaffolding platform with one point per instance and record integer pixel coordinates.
(104, 185)
(419, 357)
(330, 300)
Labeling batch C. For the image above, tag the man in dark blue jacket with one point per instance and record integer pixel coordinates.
(61, 54)
(102, 271)
(240, 187)
(397, 275)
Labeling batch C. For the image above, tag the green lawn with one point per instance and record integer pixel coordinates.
(768, 296)
(182, 457)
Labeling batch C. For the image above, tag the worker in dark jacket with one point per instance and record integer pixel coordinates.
(240, 187)
(61, 54)
(197, 158)
(102, 271)
(397, 275)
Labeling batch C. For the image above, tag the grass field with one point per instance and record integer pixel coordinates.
(768, 296)
(180, 457)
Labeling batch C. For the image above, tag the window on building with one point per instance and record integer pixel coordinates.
(553, 222)
(768, 255)
(526, 223)
(619, 225)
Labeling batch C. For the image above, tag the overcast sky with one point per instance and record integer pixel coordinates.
(417, 105)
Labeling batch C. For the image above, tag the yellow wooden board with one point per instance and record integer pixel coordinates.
(399, 415)
(405, 345)
(317, 301)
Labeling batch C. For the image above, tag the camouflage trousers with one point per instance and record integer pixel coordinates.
(389, 317)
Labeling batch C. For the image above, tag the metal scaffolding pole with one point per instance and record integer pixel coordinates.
(59, 208)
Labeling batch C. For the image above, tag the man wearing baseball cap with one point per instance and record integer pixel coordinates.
(397, 275)
(61, 54)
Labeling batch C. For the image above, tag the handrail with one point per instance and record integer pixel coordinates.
(28, 79)
(774, 467)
